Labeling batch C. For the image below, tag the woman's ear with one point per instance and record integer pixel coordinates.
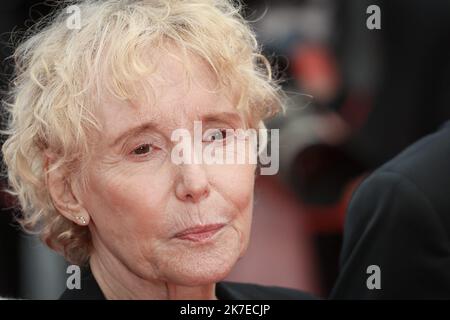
(64, 194)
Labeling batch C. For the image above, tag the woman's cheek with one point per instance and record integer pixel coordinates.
(234, 183)
(137, 204)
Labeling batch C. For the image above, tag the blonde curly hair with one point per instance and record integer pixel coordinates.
(60, 72)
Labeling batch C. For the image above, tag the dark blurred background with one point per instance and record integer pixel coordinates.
(357, 98)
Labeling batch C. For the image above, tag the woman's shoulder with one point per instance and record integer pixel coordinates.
(240, 291)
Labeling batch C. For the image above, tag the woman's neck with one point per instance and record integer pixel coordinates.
(117, 282)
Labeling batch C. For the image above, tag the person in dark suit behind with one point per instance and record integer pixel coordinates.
(399, 220)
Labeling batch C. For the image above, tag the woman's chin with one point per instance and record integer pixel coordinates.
(201, 270)
(200, 277)
(204, 268)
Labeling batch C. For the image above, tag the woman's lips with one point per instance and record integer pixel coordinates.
(199, 233)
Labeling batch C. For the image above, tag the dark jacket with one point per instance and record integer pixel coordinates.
(90, 290)
(399, 220)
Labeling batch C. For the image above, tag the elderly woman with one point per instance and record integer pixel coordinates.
(92, 111)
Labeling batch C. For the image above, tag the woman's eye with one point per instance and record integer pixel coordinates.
(143, 149)
(217, 135)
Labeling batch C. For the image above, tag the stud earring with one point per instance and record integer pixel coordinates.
(81, 219)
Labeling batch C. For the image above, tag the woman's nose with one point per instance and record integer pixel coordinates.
(193, 184)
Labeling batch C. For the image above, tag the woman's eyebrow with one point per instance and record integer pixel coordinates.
(146, 126)
(231, 117)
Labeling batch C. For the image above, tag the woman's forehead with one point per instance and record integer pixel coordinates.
(171, 113)
(173, 92)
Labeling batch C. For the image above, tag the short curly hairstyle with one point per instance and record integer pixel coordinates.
(60, 73)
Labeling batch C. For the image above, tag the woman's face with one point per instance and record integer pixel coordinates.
(140, 202)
